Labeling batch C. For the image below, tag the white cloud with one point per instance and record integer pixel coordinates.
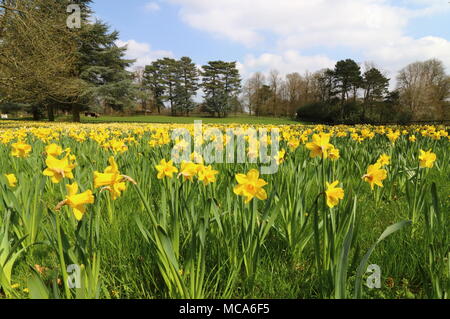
(396, 55)
(375, 29)
(297, 23)
(287, 62)
(152, 7)
(142, 52)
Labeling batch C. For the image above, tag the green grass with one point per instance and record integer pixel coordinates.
(164, 119)
(189, 120)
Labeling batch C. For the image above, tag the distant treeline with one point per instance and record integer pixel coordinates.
(347, 94)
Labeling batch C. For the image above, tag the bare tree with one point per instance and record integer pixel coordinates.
(294, 89)
(424, 88)
(274, 83)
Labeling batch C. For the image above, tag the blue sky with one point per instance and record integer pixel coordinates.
(287, 35)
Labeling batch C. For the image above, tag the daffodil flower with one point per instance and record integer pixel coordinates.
(21, 149)
(320, 145)
(77, 201)
(12, 180)
(207, 175)
(250, 186)
(333, 194)
(427, 159)
(166, 169)
(58, 169)
(375, 175)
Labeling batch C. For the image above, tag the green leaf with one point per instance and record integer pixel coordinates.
(362, 266)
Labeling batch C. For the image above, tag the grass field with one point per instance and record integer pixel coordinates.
(188, 120)
(163, 119)
(194, 231)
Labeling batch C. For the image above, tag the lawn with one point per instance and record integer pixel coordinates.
(243, 119)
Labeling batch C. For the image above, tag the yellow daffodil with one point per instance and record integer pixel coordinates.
(166, 169)
(333, 153)
(53, 150)
(188, 170)
(58, 169)
(384, 160)
(333, 194)
(207, 175)
(393, 136)
(280, 157)
(21, 149)
(250, 186)
(427, 159)
(12, 180)
(375, 175)
(320, 145)
(77, 201)
(111, 180)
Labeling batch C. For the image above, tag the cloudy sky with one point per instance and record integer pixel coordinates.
(288, 35)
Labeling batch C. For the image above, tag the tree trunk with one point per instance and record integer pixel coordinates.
(76, 113)
(51, 112)
(36, 116)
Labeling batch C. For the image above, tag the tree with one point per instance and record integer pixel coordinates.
(170, 80)
(347, 78)
(424, 88)
(375, 86)
(38, 55)
(154, 81)
(293, 88)
(254, 85)
(221, 83)
(43, 62)
(144, 95)
(275, 84)
(101, 64)
(186, 85)
(324, 85)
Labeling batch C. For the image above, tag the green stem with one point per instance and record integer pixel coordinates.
(61, 258)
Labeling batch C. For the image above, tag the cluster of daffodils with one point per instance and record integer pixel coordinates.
(188, 171)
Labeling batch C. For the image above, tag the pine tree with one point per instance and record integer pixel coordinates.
(221, 83)
(375, 86)
(101, 64)
(154, 81)
(186, 85)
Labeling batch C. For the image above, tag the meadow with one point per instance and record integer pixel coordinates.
(101, 211)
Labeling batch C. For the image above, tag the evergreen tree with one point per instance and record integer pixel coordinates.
(186, 85)
(170, 81)
(375, 86)
(221, 83)
(102, 66)
(347, 78)
(154, 81)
